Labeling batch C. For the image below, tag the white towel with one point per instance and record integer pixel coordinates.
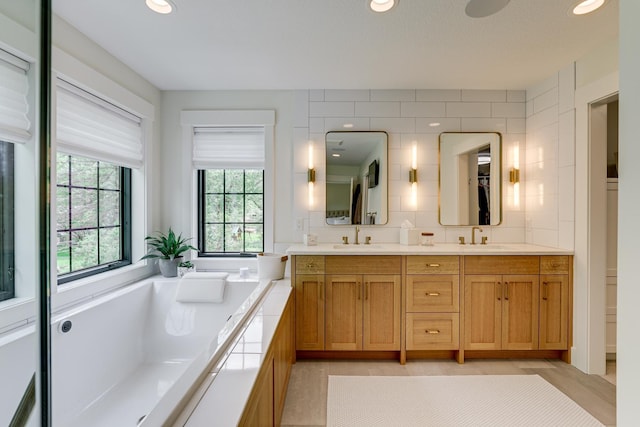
(201, 287)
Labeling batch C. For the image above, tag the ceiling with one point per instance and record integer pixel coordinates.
(341, 44)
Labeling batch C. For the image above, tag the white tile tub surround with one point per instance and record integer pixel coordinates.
(408, 117)
(136, 352)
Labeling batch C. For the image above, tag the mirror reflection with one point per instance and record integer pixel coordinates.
(470, 178)
(356, 183)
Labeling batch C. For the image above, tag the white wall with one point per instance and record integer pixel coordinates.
(550, 161)
(406, 115)
(628, 368)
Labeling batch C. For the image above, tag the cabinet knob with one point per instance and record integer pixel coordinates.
(432, 331)
(432, 294)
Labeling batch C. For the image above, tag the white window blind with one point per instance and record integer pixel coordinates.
(91, 127)
(228, 148)
(14, 87)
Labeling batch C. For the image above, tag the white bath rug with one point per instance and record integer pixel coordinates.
(468, 400)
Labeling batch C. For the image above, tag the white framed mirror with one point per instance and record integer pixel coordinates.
(470, 178)
(357, 178)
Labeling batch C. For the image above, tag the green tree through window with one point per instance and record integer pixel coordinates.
(231, 205)
(92, 216)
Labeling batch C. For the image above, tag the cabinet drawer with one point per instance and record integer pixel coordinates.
(363, 264)
(309, 264)
(501, 264)
(556, 264)
(433, 293)
(419, 264)
(433, 331)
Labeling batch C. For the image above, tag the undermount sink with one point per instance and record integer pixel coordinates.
(361, 247)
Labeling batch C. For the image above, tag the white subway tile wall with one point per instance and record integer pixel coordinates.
(418, 117)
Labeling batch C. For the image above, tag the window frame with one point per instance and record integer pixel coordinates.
(7, 222)
(201, 178)
(126, 233)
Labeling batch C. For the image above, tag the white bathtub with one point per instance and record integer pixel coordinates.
(136, 352)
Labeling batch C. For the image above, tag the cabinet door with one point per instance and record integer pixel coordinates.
(344, 312)
(482, 312)
(520, 312)
(309, 312)
(259, 408)
(282, 360)
(554, 311)
(381, 312)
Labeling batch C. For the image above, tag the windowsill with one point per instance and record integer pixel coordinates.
(80, 290)
(16, 312)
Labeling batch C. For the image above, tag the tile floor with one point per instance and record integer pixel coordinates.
(306, 402)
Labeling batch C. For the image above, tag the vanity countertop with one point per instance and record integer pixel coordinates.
(437, 249)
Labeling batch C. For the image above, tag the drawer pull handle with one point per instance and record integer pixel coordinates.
(432, 331)
(433, 265)
(555, 265)
(432, 294)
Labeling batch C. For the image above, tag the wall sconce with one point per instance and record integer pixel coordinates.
(514, 175)
(311, 175)
(413, 175)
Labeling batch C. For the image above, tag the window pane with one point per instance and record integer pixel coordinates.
(214, 211)
(84, 172)
(109, 176)
(84, 208)
(233, 239)
(214, 181)
(62, 208)
(254, 238)
(234, 209)
(63, 253)
(253, 181)
(62, 169)
(84, 249)
(253, 205)
(109, 208)
(109, 245)
(214, 238)
(233, 180)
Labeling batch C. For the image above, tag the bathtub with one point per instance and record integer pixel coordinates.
(129, 357)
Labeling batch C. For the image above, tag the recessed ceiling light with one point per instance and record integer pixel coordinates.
(381, 5)
(434, 124)
(335, 155)
(161, 6)
(347, 125)
(587, 6)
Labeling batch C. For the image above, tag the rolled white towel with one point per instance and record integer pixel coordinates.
(201, 287)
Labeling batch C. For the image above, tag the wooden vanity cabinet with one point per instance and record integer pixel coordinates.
(362, 310)
(432, 303)
(501, 310)
(310, 306)
(554, 302)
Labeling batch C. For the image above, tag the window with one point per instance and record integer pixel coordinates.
(98, 145)
(93, 214)
(7, 266)
(230, 211)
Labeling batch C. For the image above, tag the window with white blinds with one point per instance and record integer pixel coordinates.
(89, 126)
(14, 87)
(228, 148)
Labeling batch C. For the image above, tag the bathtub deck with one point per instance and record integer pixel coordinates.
(124, 404)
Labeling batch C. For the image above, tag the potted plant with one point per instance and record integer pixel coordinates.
(185, 267)
(168, 249)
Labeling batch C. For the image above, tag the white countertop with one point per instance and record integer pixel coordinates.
(437, 249)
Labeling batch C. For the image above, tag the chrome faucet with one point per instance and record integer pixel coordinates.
(473, 234)
(357, 231)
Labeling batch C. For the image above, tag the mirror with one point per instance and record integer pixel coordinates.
(470, 180)
(356, 184)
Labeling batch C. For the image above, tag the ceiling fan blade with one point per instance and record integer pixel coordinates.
(483, 8)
